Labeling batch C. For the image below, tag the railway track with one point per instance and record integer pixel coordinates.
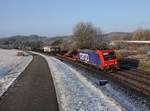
(134, 78)
(138, 74)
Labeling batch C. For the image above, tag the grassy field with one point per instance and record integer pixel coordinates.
(144, 66)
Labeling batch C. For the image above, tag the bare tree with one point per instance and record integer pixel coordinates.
(87, 36)
(147, 35)
(67, 45)
(101, 40)
(141, 34)
(138, 34)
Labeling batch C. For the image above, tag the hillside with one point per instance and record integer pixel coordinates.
(119, 35)
(20, 42)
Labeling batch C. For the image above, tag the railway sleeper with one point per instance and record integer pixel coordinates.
(132, 83)
(147, 77)
(135, 77)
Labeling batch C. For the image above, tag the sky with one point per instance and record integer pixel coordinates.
(58, 17)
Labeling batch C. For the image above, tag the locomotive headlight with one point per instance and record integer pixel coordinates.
(106, 63)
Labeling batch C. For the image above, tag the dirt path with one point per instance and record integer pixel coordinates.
(32, 91)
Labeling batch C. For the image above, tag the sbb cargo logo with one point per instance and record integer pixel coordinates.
(84, 57)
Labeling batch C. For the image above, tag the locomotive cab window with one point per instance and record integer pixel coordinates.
(109, 56)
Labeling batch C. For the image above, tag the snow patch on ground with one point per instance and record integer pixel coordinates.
(11, 67)
(75, 93)
(131, 100)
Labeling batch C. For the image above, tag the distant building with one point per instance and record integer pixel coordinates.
(51, 49)
(132, 42)
(28, 48)
(47, 48)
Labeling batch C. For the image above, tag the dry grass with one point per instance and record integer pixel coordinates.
(144, 59)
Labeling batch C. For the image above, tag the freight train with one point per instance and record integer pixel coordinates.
(103, 59)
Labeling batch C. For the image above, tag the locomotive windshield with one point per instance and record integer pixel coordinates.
(109, 55)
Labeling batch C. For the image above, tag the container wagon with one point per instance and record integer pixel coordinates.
(49, 49)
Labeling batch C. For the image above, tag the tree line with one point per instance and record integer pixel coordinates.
(141, 34)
